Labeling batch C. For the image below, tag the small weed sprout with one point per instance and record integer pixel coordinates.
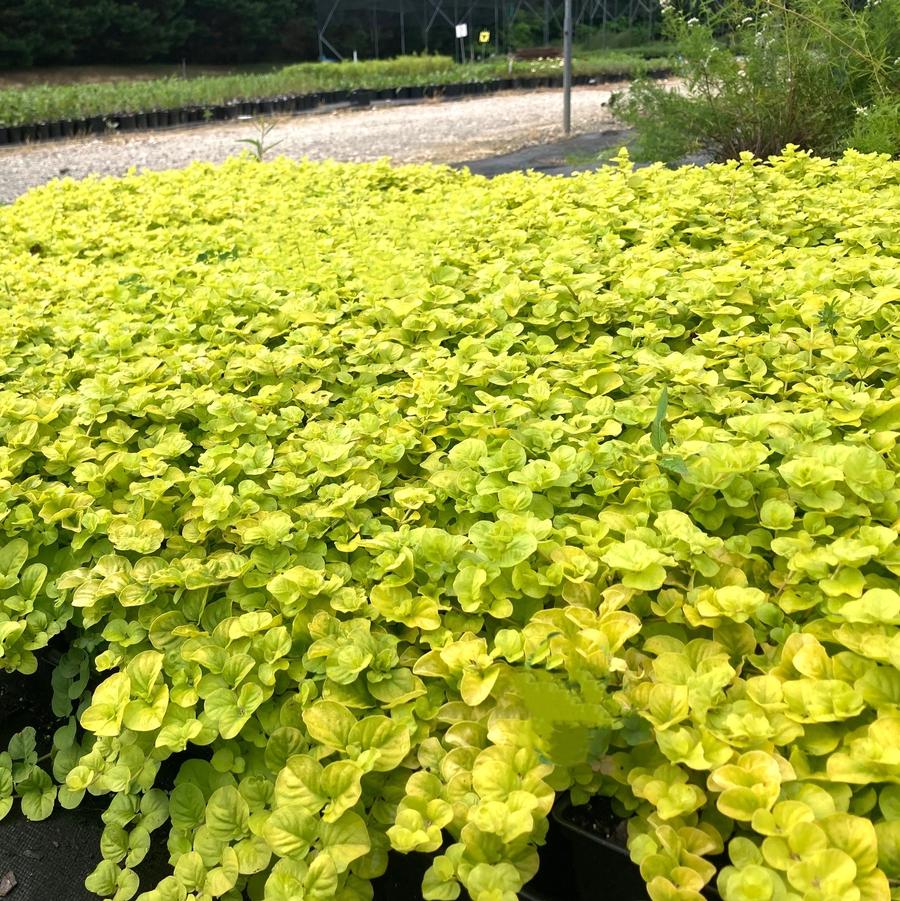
(260, 144)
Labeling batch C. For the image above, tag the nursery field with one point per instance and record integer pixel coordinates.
(52, 102)
(396, 503)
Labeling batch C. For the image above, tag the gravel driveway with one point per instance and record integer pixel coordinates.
(442, 132)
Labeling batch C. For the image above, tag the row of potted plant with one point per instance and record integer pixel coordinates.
(281, 105)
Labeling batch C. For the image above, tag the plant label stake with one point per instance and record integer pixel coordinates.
(462, 31)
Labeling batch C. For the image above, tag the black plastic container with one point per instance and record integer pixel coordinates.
(361, 97)
(602, 868)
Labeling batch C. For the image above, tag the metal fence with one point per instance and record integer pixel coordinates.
(381, 28)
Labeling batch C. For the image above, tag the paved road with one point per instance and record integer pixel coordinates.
(442, 132)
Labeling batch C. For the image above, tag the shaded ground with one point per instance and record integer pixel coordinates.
(581, 153)
(436, 131)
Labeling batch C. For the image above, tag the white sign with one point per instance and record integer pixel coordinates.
(462, 31)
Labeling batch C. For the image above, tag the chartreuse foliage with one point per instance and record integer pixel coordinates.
(401, 500)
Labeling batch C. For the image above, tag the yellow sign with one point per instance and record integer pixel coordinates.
(484, 37)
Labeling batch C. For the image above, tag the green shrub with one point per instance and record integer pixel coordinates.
(761, 75)
(400, 500)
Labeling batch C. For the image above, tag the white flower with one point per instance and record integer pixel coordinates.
(693, 21)
(747, 20)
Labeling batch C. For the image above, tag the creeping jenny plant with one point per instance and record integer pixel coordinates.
(397, 501)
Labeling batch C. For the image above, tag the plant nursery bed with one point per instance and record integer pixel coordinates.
(370, 510)
(283, 105)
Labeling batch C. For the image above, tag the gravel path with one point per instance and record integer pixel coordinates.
(442, 132)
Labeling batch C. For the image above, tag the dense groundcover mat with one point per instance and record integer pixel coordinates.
(398, 501)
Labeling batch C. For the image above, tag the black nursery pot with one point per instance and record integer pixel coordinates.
(602, 868)
(360, 97)
(403, 879)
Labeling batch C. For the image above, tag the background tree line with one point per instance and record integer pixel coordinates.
(59, 32)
